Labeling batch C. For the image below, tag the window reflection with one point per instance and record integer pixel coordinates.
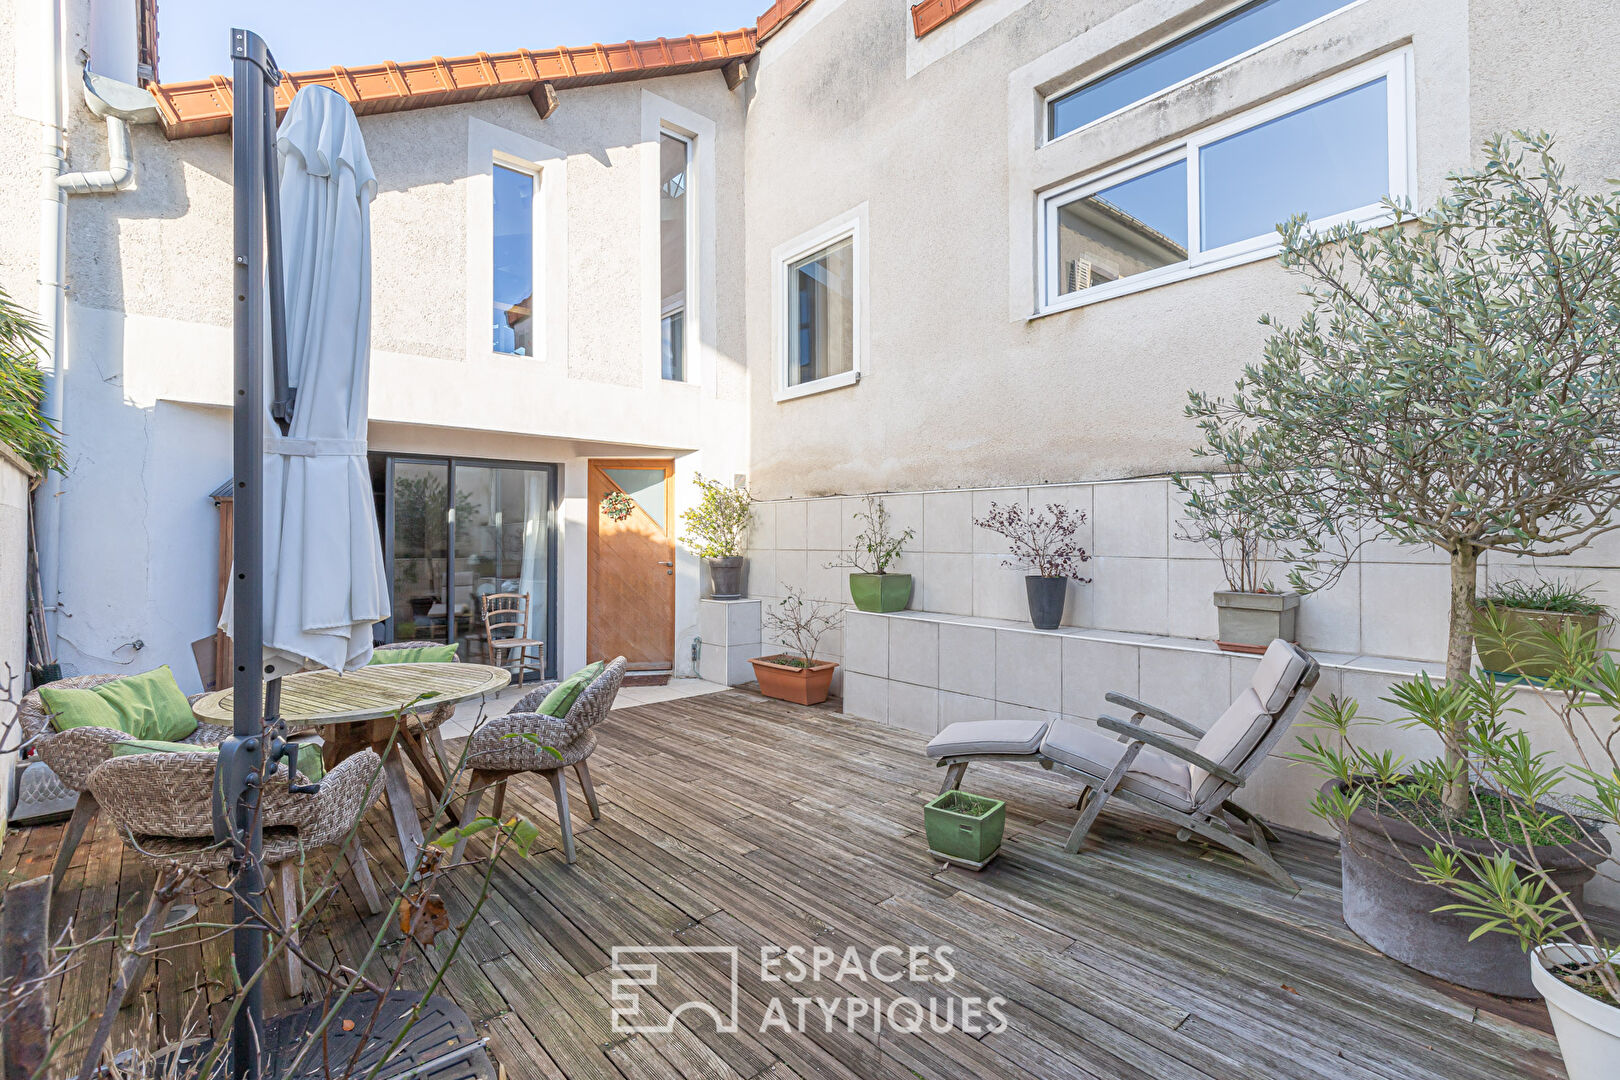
(1129, 228)
(675, 157)
(1248, 27)
(514, 261)
(1321, 160)
(821, 313)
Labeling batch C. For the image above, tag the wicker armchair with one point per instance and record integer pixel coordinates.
(75, 753)
(494, 754)
(162, 805)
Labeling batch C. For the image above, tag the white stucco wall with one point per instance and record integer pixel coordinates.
(15, 480)
(148, 349)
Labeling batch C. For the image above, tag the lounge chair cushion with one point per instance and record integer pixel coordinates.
(1278, 674)
(1154, 774)
(1231, 738)
(966, 738)
(562, 697)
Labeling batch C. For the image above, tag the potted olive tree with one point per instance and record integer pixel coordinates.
(796, 675)
(714, 531)
(1452, 384)
(873, 550)
(1041, 541)
(1526, 618)
(1251, 612)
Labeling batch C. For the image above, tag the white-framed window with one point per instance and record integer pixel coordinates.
(820, 307)
(1332, 151)
(1242, 30)
(514, 188)
(517, 249)
(675, 249)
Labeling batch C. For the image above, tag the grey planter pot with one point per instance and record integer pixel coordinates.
(1392, 911)
(1250, 621)
(726, 578)
(1046, 596)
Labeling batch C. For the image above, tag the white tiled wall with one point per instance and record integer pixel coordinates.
(1390, 603)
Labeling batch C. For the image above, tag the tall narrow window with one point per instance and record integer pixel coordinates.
(821, 313)
(513, 322)
(674, 226)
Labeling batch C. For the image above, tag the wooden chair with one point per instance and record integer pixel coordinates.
(506, 630)
(498, 749)
(1189, 786)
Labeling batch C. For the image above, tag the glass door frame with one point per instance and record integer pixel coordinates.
(553, 471)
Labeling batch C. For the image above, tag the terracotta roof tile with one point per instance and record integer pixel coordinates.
(930, 15)
(777, 14)
(203, 106)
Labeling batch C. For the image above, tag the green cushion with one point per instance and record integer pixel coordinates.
(420, 654)
(562, 698)
(310, 762)
(147, 706)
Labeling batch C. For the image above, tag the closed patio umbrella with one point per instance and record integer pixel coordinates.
(324, 583)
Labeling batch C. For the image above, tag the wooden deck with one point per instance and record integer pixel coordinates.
(730, 820)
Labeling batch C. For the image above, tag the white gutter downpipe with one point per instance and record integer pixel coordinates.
(119, 104)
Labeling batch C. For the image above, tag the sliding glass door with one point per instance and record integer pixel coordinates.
(458, 530)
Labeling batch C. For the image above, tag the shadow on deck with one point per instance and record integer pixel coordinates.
(730, 820)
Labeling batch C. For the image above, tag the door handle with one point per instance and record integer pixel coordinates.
(666, 563)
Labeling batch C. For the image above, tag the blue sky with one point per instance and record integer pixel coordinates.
(193, 35)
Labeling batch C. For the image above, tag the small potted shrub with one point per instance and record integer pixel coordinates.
(1042, 541)
(1520, 623)
(875, 547)
(1251, 612)
(796, 675)
(1425, 883)
(714, 532)
(964, 829)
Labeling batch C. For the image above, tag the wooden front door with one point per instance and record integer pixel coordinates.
(632, 563)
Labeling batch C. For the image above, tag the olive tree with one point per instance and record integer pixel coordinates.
(1455, 381)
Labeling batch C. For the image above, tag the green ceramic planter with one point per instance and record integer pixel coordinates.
(880, 592)
(964, 829)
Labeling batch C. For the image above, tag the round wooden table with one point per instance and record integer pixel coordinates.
(381, 697)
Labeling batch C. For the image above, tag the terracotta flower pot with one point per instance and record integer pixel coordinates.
(789, 678)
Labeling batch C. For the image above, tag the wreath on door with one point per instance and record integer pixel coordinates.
(617, 506)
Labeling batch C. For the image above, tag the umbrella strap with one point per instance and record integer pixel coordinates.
(274, 444)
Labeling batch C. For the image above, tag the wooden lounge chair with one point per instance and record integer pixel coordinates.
(1189, 785)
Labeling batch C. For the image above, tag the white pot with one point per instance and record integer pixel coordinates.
(1588, 1031)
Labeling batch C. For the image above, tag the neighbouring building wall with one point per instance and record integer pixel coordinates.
(148, 345)
(15, 479)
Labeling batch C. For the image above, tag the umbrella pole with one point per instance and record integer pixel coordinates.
(242, 757)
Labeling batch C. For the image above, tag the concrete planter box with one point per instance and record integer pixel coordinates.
(1588, 1030)
(1251, 621)
(1528, 652)
(964, 829)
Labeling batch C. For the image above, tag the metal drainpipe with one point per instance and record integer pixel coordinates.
(128, 104)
